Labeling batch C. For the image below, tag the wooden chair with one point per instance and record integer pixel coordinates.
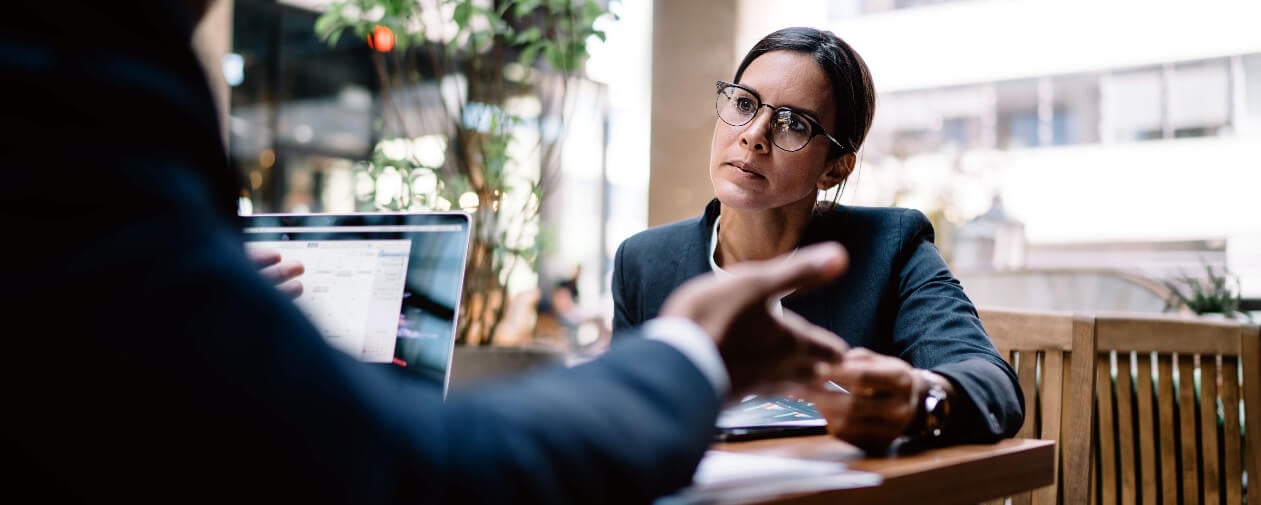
(1058, 390)
(1170, 391)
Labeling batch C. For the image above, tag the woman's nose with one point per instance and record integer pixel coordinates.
(756, 134)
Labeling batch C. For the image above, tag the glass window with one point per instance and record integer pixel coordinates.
(839, 9)
(1075, 109)
(909, 121)
(959, 111)
(1136, 105)
(906, 4)
(1199, 102)
(927, 121)
(1017, 108)
(1252, 85)
(870, 6)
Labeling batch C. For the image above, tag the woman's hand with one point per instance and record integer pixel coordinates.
(885, 395)
(283, 273)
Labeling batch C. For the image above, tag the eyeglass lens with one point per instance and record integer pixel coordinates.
(737, 106)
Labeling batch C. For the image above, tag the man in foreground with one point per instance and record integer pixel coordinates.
(148, 360)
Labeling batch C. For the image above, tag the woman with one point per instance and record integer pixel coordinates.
(788, 127)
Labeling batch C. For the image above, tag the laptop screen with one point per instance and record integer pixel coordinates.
(382, 287)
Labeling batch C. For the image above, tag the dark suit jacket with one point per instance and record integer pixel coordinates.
(897, 298)
(145, 360)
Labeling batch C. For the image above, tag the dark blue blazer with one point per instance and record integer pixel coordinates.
(145, 360)
(897, 298)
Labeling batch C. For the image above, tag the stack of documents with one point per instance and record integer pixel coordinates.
(732, 478)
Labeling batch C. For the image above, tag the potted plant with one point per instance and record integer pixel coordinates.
(474, 97)
(1217, 292)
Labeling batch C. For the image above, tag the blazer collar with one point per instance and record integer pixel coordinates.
(822, 227)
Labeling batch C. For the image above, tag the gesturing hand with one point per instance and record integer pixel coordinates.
(757, 346)
(283, 273)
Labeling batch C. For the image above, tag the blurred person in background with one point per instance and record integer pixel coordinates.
(149, 361)
(788, 129)
(562, 317)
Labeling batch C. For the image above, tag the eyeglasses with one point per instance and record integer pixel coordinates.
(790, 130)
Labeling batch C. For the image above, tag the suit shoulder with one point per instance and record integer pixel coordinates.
(661, 238)
(905, 220)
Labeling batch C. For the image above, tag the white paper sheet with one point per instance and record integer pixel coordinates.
(733, 478)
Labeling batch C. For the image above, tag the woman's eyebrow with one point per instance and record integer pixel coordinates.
(813, 115)
(809, 112)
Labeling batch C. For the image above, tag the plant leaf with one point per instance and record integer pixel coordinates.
(463, 11)
(530, 53)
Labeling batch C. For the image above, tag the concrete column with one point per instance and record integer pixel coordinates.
(211, 41)
(693, 44)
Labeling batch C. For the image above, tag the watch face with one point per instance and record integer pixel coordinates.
(935, 410)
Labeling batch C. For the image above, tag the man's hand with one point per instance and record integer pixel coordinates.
(282, 273)
(885, 394)
(757, 346)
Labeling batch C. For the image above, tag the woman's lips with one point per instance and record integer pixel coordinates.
(747, 170)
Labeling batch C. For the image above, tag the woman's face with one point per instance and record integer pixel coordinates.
(746, 169)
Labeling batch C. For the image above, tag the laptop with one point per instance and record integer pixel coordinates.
(759, 416)
(382, 287)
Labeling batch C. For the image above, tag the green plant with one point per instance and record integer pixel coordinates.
(1211, 293)
(475, 95)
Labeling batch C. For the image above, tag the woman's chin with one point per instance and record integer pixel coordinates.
(740, 198)
(737, 198)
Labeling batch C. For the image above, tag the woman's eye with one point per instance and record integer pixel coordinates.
(744, 104)
(797, 125)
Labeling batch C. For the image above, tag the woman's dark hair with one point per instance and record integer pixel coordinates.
(852, 89)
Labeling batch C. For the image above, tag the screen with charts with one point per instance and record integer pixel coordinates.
(384, 288)
(756, 411)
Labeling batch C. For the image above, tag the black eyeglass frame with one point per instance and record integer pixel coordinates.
(816, 129)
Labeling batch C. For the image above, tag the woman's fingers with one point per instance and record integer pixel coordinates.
(871, 423)
(865, 373)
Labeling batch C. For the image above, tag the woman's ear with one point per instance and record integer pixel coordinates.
(837, 171)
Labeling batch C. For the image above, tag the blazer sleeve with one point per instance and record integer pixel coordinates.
(626, 310)
(611, 431)
(190, 374)
(937, 328)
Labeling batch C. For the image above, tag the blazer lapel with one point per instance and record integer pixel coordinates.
(694, 259)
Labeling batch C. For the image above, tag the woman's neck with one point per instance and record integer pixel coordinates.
(753, 235)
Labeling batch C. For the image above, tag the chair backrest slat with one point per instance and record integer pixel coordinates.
(1229, 393)
(1164, 403)
(1058, 399)
(1187, 416)
(1146, 427)
(1077, 412)
(1027, 374)
(1052, 401)
(1250, 348)
(1208, 419)
(1107, 427)
(1125, 434)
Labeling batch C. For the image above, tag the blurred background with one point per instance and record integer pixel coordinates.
(1072, 154)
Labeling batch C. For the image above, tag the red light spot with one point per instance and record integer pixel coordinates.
(381, 39)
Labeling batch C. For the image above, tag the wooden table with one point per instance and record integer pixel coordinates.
(959, 475)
